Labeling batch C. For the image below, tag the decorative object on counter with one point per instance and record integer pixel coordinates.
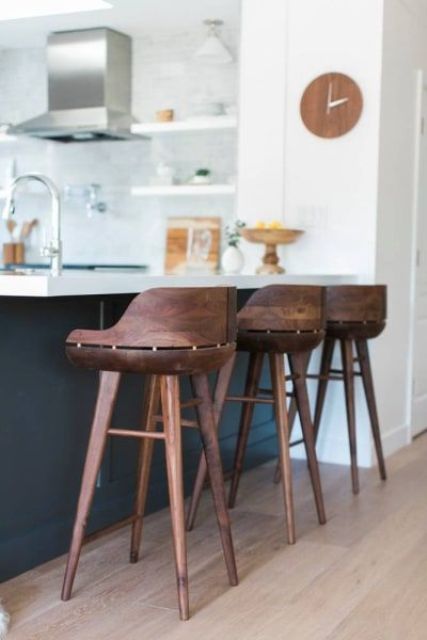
(165, 176)
(201, 176)
(192, 244)
(165, 115)
(271, 236)
(232, 260)
(213, 50)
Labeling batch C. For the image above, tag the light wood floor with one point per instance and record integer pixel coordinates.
(363, 576)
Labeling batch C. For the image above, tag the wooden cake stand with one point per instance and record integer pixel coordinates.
(271, 238)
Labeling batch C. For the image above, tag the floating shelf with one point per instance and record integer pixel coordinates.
(185, 190)
(214, 123)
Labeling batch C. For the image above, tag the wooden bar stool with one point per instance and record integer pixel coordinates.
(276, 320)
(355, 314)
(164, 333)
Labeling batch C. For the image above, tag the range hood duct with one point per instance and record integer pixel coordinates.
(89, 88)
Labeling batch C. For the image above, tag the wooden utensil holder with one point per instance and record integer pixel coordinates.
(13, 252)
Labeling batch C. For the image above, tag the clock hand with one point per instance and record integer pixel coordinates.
(336, 103)
(328, 104)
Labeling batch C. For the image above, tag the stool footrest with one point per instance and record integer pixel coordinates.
(128, 433)
(296, 442)
(191, 424)
(249, 399)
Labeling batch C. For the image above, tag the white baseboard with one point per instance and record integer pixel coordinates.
(396, 439)
(336, 451)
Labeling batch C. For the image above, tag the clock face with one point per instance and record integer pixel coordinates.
(331, 105)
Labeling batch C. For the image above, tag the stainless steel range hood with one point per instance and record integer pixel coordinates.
(89, 88)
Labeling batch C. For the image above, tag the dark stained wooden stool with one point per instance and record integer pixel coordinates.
(355, 314)
(164, 333)
(276, 320)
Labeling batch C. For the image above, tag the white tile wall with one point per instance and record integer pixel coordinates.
(165, 75)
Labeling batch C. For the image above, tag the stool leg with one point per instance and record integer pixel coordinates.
(325, 365)
(368, 385)
(348, 370)
(221, 388)
(298, 363)
(251, 390)
(213, 457)
(150, 406)
(292, 414)
(277, 368)
(169, 387)
(108, 387)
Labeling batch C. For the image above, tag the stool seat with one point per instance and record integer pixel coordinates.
(354, 330)
(279, 341)
(156, 362)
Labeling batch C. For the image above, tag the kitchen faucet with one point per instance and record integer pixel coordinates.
(54, 249)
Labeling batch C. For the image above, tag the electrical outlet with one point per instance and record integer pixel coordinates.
(312, 216)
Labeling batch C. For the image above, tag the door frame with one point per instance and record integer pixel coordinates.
(420, 92)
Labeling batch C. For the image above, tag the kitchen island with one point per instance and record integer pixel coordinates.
(47, 407)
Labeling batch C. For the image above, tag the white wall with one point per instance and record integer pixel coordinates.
(133, 230)
(404, 51)
(327, 187)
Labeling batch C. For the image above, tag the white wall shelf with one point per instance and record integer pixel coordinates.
(185, 190)
(215, 123)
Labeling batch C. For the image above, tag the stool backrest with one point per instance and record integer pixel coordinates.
(284, 308)
(356, 303)
(171, 318)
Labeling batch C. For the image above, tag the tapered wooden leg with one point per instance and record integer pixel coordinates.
(251, 390)
(150, 407)
(222, 383)
(277, 368)
(213, 458)
(169, 387)
(298, 365)
(108, 387)
(348, 370)
(325, 365)
(368, 385)
(292, 414)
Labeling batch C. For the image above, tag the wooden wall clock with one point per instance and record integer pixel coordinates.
(331, 105)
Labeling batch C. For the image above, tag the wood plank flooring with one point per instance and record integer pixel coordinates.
(363, 576)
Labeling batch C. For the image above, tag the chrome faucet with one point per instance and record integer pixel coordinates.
(54, 249)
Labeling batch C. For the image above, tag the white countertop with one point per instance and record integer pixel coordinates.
(83, 283)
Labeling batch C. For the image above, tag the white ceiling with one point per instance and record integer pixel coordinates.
(133, 17)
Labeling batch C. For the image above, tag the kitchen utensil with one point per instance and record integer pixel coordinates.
(271, 238)
(27, 227)
(10, 225)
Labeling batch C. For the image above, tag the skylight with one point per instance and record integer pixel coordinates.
(31, 9)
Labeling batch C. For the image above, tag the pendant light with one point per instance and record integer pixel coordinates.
(213, 50)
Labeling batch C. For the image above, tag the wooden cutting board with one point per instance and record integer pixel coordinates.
(192, 244)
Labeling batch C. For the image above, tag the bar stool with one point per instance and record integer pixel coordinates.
(355, 314)
(276, 320)
(164, 333)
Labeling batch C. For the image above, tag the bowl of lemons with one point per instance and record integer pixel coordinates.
(271, 234)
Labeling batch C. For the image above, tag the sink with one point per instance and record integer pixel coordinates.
(34, 267)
